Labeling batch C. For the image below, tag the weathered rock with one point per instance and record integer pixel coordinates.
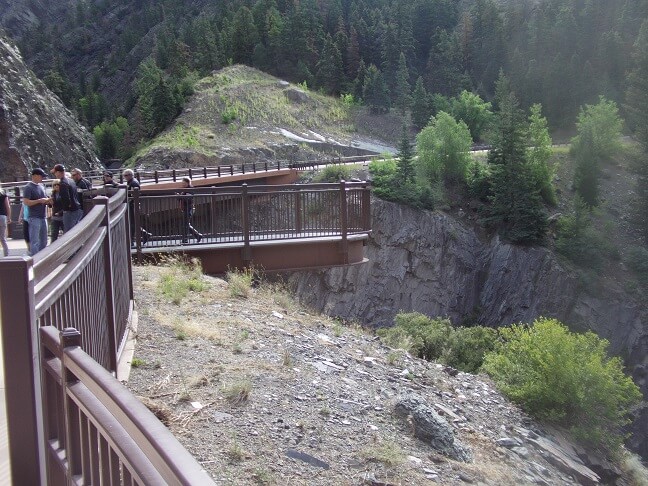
(296, 95)
(430, 427)
(35, 128)
(428, 262)
(566, 461)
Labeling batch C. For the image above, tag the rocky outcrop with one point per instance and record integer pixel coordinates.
(35, 128)
(430, 262)
(430, 427)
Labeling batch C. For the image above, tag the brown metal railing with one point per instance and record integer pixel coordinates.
(247, 214)
(83, 279)
(175, 175)
(97, 431)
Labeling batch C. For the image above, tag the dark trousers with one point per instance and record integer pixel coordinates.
(186, 227)
(56, 226)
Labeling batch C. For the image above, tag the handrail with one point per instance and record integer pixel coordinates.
(155, 176)
(82, 278)
(141, 444)
(249, 214)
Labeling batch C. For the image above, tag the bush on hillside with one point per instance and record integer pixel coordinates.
(388, 186)
(565, 377)
(436, 339)
(333, 173)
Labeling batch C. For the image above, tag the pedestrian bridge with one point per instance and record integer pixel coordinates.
(67, 312)
(276, 227)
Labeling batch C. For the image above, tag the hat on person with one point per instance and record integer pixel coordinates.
(38, 171)
(58, 168)
(107, 173)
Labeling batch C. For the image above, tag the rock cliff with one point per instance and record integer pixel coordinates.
(35, 128)
(431, 263)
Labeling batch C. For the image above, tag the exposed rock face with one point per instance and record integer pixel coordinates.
(35, 128)
(429, 262)
(430, 427)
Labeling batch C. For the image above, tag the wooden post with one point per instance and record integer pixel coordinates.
(110, 285)
(344, 247)
(298, 211)
(70, 337)
(247, 253)
(366, 207)
(137, 224)
(21, 355)
(174, 175)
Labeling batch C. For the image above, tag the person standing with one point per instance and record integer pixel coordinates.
(81, 182)
(108, 180)
(35, 198)
(133, 184)
(5, 220)
(23, 218)
(72, 212)
(56, 224)
(187, 207)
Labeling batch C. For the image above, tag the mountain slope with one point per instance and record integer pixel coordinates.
(242, 114)
(35, 128)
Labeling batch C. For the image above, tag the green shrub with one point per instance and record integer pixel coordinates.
(181, 277)
(436, 339)
(333, 173)
(566, 378)
(229, 114)
(467, 346)
(388, 186)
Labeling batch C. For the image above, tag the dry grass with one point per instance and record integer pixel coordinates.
(238, 393)
(386, 452)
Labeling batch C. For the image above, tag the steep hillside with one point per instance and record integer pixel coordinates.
(242, 114)
(35, 128)
(263, 391)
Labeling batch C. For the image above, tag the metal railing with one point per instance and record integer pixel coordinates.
(247, 214)
(105, 435)
(175, 175)
(84, 280)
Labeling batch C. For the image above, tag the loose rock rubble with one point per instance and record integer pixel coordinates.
(261, 391)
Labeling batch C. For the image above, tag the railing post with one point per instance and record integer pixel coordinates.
(231, 169)
(190, 173)
(137, 224)
(344, 246)
(70, 337)
(366, 207)
(204, 172)
(174, 175)
(110, 285)
(155, 176)
(21, 353)
(247, 253)
(298, 211)
(219, 174)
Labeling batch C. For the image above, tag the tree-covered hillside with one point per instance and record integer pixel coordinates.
(561, 53)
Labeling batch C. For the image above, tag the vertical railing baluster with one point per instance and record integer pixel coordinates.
(23, 382)
(245, 215)
(343, 220)
(70, 338)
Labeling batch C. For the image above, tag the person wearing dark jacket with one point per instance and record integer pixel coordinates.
(108, 180)
(56, 221)
(72, 212)
(187, 207)
(133, 184)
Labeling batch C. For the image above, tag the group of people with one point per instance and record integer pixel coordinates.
(64, 205)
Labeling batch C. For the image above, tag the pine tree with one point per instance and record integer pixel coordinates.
(403, 98)
(421, 112)
(244, 36)
(329, 68)
(637, 108)
(405, 158)
(374, 92)
(516, 206)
